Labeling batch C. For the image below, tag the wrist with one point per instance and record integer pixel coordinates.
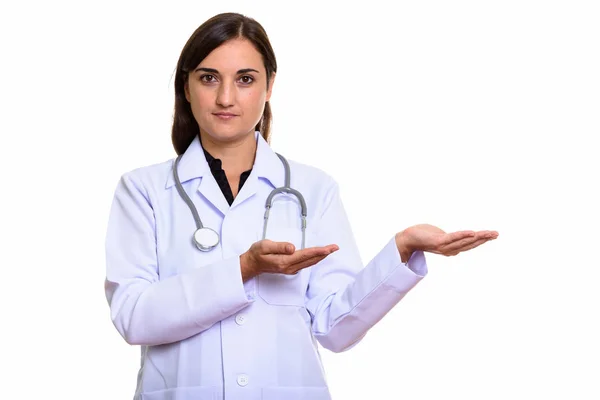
(247, 267)
(403, 246)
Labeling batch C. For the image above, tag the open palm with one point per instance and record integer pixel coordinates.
(432, 239)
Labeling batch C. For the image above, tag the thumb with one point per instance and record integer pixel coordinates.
(282, 248)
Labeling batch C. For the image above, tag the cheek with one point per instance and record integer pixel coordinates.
(200, 99)
(254, 100)
(203, 97)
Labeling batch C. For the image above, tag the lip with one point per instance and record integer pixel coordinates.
(224, 115)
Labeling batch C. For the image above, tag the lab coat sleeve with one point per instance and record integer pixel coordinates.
(346, 299)
(145, 309)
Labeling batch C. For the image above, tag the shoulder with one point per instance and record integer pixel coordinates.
(148, 179)
(318, 187)
(307, 174)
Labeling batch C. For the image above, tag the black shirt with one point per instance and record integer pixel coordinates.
(217, 171)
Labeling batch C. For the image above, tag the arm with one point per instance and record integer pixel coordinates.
(145, 309)
(345, 299)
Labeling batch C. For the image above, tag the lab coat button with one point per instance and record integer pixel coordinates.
(240, 319)
(242, 379)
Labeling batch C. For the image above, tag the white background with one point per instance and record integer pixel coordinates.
(463, 114)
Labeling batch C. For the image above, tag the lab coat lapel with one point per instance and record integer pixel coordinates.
(193, 165)
(248, 190)
(267, 166)
(210, 190)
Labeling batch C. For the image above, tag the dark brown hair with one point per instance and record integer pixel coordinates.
(210, 35)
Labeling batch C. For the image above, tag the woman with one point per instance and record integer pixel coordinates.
(236, 312)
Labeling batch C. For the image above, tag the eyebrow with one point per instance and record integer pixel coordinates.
(214, 71)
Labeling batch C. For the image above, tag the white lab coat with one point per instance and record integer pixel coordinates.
(205, 334)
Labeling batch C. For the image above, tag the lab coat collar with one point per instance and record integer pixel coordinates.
(193, 164)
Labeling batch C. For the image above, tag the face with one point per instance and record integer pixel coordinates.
(227, 91)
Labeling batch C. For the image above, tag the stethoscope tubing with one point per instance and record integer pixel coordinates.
(268, 204)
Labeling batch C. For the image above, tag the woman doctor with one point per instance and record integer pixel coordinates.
(228, 300)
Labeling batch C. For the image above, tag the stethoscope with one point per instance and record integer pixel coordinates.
(207, 239)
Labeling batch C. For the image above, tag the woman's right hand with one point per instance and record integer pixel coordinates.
(266, 256)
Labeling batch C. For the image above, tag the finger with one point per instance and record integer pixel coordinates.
(306, 263)
(330, 247)
(310, 252)
(270, 247)
(449, 238)
(488, 234)
(452, 247)
(284, 261)
(471, 246)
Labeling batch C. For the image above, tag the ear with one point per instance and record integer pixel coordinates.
(271, 82)
(186, 89)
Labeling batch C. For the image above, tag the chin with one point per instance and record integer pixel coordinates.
(228, 133)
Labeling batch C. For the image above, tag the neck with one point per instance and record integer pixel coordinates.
(236, 156)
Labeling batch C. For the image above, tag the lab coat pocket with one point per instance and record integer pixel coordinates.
(296, 393)
(283, 289)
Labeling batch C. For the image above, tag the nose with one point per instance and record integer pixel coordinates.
(226, 94)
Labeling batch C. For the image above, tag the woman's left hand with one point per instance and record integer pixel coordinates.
(432, 239)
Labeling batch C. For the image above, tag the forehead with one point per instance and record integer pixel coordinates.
(233, 55)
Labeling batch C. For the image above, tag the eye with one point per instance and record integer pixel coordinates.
(207, 78)
(247, 79)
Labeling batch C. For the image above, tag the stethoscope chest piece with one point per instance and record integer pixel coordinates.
(206, 239)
